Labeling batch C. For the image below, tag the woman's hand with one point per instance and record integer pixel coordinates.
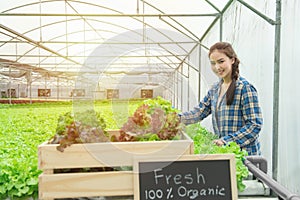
(219, 142)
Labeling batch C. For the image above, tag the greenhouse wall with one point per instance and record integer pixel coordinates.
(289, 107)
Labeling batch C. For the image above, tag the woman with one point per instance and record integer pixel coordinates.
(233, 103)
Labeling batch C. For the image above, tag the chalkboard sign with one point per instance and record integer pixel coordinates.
(209, 177)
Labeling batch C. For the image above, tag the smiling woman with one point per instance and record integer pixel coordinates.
(232, 101)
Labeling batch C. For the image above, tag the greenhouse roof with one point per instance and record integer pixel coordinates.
(64, 39)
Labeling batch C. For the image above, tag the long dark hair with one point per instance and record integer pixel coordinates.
(227, 49)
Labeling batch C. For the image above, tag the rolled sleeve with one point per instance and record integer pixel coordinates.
(198, 113)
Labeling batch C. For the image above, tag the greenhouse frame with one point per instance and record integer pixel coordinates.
(54, 50)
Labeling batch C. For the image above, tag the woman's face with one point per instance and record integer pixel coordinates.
(221, 64)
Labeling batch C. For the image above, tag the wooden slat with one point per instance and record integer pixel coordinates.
(86, 184)
(108, 153)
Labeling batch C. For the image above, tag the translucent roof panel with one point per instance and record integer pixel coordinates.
(64, 38)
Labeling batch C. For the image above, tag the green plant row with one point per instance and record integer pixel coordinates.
(203, 144)
(25, 126)
(22, 129)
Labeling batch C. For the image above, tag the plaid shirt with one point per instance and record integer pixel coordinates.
(240, 122)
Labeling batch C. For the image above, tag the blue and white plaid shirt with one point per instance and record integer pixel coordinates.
(240, 122)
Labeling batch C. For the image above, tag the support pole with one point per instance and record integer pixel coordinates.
(276, 90)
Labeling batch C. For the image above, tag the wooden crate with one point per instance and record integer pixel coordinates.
(110, 154)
